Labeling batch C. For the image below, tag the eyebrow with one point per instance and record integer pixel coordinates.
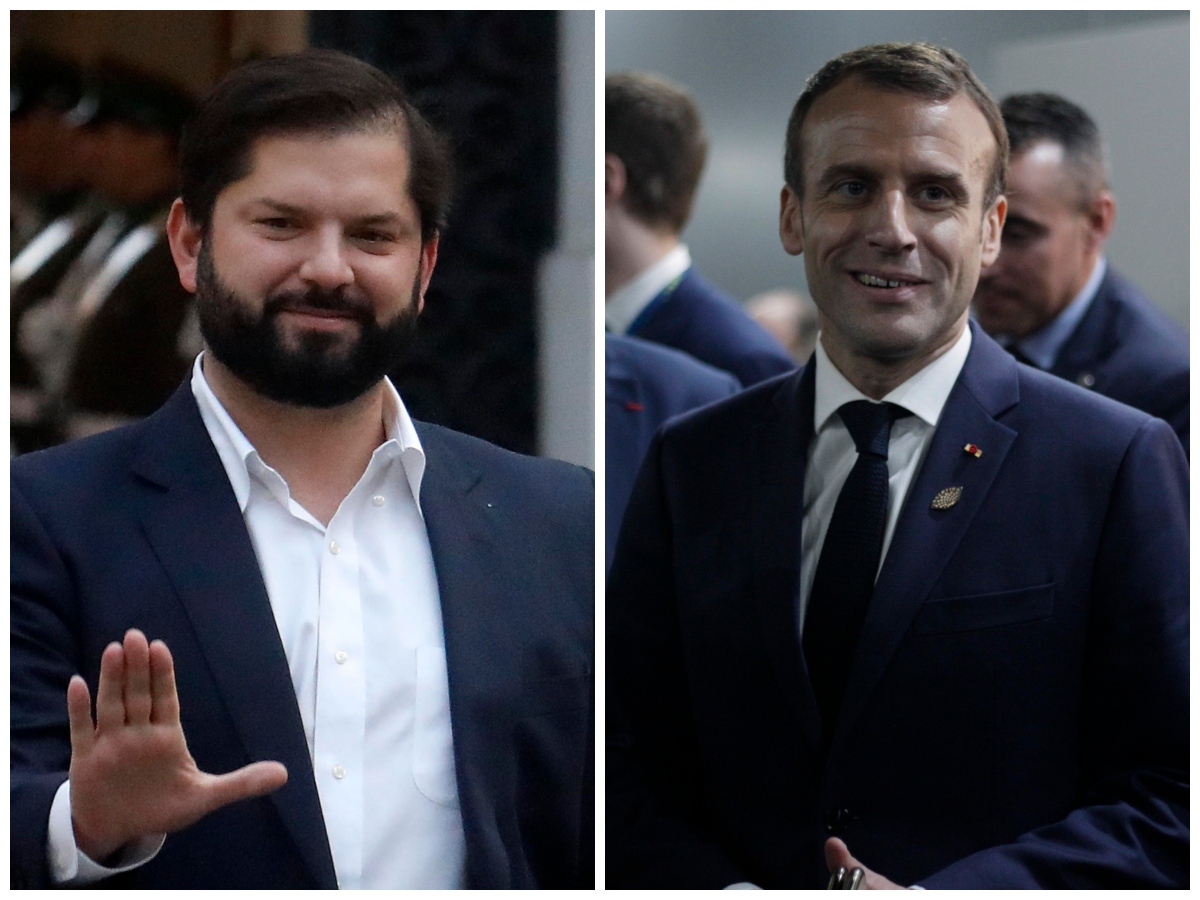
(287, 209)
(948, 177)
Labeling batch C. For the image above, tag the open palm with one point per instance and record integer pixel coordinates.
(131, 772)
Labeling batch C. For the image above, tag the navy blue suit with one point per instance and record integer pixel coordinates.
(1126, 348)
(1017, 709)
(644, 385)
(697, 318)
(140, 527)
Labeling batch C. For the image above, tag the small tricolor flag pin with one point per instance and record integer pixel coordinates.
(974, 450)
(946, 497)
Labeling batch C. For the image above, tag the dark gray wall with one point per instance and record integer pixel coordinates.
(746, 70)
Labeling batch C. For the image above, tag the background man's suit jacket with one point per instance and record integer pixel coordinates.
(644, 385)
(1017, 710)
(699, 319)
(140, 527)
(1126, 348)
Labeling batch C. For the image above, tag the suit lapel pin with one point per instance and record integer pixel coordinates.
(974, 450)
(946, 497)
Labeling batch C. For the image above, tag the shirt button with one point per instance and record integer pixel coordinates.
(335, 548)
(378, 500)
(340, 656)
(339, 772)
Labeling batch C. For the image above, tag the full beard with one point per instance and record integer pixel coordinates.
(323, 370)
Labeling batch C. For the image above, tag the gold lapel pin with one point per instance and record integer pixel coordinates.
(946, 497)
(974, 450)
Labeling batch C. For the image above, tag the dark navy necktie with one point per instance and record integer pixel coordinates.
(845, 577)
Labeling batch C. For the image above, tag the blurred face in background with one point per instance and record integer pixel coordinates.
(1050, 243)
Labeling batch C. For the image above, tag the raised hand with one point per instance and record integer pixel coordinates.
(838, 854)
(131, 773)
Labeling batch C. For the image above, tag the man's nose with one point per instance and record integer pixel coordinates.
(889, 229)
(326, 264)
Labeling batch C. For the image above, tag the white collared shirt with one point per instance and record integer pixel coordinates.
(832, 455)
(357, 608)
(623, 306)
(1042, 347)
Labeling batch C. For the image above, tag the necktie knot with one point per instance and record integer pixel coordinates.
(870, 424)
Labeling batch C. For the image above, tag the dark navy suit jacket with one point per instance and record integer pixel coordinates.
(1126, 348)
(140, 527)
(699, 319)
(644, 385)
(1017, 710)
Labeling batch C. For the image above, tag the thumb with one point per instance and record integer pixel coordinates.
(253, 780)
(837, 854)
(79, 716)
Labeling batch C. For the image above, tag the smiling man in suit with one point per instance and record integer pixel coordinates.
(329, 646)
(917, 608)
(1051, 297)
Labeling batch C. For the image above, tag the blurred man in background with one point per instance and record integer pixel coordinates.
(654, 154)
(644, 385)
(99, 325)
(1051, 297)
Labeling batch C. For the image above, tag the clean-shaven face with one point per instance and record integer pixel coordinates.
(892, 224)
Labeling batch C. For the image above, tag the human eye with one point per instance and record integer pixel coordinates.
(852, 189)
(275, 224)
(374, 238)
(936, 194)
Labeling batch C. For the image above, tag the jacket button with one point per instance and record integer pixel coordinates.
(837, 821)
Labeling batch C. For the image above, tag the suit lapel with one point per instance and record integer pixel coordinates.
(1092, 341)
(778, 453)
(198, 533)
(925, 539)
(457, 520)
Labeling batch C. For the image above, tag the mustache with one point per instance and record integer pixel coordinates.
(336, 301)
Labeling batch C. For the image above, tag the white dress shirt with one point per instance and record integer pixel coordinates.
(357, 609)
(831, 455)
(1042, 347)
(623, 306)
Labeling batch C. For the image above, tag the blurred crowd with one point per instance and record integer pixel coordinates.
(101, 330)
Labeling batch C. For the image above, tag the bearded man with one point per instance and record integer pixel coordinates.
(378, 632)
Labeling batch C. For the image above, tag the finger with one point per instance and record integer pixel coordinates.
(79, 713)
(253, 780)
(837, 854)
(110, 707)
(165, 700)
(137, 678)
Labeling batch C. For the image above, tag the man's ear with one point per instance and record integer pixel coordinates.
(993, 227)
(429, 251)
(1100, 216)
(184, 238)
(614, 179)
(791, 225)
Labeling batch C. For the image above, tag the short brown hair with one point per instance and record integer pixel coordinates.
(654, 128)
(935, 73)
(317, 92)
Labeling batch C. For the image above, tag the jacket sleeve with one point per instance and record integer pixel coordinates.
(41, 662)
(655, 836)
(1131, 826)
